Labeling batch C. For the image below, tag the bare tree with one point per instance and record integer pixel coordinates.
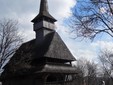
(92, 17)
(81, 67)
(10, 39)
(87, 72)
(106, 58)
(91, 74)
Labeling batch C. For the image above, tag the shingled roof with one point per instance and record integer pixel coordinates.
(51, 47)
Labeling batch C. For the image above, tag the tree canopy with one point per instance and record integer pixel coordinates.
(92, 17)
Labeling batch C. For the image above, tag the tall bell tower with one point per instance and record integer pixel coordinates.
(43, 22)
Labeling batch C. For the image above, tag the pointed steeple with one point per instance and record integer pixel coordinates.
(43, 7)
(43, 23)
(44, 13)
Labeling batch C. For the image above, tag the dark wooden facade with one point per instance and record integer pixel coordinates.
(45, 60)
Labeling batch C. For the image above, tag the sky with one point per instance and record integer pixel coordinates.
(25, 10)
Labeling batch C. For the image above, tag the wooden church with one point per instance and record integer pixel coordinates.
(43, 61)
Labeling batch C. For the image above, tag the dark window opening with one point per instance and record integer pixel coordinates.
(51, 78)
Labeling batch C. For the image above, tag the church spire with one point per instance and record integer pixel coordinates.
(43, 7)
(43, 23)
(44, 13)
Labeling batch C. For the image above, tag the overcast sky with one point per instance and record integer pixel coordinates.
(25, 10)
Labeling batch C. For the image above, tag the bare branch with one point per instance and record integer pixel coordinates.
(91, 18)
(106, 58)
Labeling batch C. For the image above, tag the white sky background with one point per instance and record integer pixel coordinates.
(25, 10)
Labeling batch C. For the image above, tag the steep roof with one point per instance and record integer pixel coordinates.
(51, 47)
